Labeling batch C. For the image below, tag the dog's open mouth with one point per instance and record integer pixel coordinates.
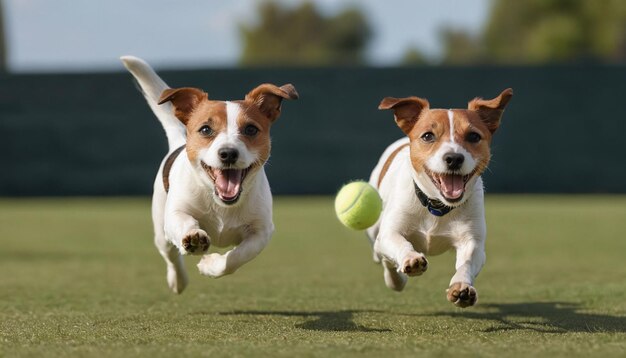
(450, 185)
(228, 182)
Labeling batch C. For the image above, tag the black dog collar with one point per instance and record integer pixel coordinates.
(434, 206)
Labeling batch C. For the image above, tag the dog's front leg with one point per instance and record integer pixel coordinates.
(399, 259)
(216, 265)
(470, 258)
(184, 232)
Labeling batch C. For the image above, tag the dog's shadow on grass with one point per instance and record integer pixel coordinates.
(331, 321)
(544, 317)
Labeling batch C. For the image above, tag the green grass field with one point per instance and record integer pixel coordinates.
(80, 277)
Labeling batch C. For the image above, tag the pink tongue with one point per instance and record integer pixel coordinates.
(228, 182)
(452, 186)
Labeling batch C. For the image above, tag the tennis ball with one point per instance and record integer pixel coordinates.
(358, 205)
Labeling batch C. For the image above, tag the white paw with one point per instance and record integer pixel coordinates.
(413, 264)
(462, 294)
(195, 242)
(213, 265)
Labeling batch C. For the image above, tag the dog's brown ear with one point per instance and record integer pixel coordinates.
(268, 98)
(406, 110)
(184, 100)
(490, 111)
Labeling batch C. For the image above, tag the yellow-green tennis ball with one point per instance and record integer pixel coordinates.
(358, 205)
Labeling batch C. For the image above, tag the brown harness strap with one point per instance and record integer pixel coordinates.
(167, 167)
(387, 164)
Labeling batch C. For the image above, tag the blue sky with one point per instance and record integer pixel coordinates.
(90, 35)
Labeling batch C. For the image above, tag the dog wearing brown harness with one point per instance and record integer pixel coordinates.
(211, 189)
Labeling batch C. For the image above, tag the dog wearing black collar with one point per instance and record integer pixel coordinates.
(432, 192)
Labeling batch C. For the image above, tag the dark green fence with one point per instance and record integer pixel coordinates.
(93, 134)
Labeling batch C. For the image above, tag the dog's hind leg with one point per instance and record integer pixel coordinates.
(176, 275)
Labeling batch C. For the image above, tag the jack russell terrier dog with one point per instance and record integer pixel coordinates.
(432, 191)
(211, 187)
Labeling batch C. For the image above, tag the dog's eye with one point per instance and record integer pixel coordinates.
(250, 130)
(428, 137)
(205, 131)
(473, 137)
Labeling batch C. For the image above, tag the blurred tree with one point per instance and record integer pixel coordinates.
(3, 52)
(460, 48)
(414, 57)
(545, 31)
(302, 36)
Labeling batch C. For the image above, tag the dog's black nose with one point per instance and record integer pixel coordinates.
(454, 160)
(228, 155)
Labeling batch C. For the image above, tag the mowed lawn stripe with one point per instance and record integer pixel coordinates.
(81, 277)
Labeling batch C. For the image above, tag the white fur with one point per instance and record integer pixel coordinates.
(190, 206)
(406, 230)
(451, 119)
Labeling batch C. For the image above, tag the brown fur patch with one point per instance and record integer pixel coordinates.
(434, 121)
(167, 167)
(406, 111)
(267, 98)
(466, 122)
(184, 100)
(251, 115)
(211, 113)
(388, 162)
(490, 111)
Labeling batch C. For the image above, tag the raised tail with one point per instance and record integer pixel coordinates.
(152, 86)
